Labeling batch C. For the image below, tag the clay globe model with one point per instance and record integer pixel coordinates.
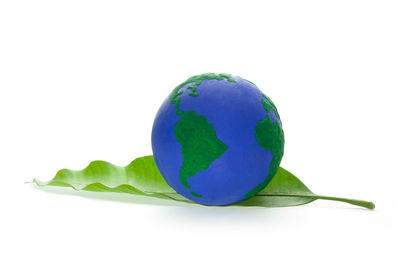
(217, 139)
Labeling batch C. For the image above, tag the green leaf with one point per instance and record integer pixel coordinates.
(141, 177)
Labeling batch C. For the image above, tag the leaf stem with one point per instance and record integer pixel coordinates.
(361, 203)
(366, 204)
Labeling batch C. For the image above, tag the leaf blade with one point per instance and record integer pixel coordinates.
(141, 177)
(279, 192)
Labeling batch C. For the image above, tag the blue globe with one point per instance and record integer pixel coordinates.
(217, 139)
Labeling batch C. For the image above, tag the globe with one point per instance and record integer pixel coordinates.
(217, 139)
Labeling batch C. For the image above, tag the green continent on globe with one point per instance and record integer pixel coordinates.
(196, 80)
(270, 136)
(200, 145)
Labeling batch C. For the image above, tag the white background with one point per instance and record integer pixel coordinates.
(83, 80)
